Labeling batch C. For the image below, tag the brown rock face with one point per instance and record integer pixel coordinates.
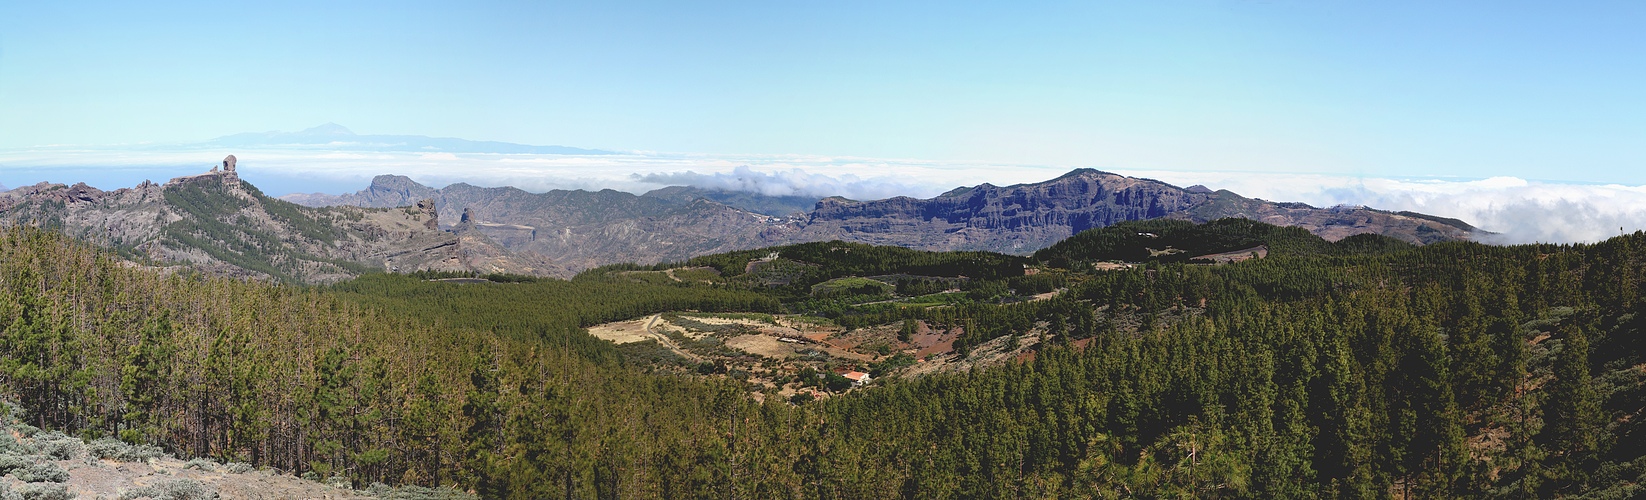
(582, 229)
(218, 224)
(426, 206)
(228, 164)
(1011, 219)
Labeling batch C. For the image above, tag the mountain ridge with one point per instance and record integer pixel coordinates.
(585, 229)
(219, 224)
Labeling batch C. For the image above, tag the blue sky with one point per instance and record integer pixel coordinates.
(1525, 118)
(1535, 90)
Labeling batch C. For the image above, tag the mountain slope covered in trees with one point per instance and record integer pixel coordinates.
(1359, 368)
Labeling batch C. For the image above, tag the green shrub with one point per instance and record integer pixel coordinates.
(184, 489)
(46, 491)
(11, 462)
(340, 482)
(58, 446)
(205, 464)
(136, 493)
(176, 489)
(413, 492)
(120, 451)
(238, 468)
(25, 429)
(13, 413)
(9, 445)
(41, 472)
(107, 448)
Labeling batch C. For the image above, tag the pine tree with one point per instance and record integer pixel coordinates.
(1571, 411)
(144, 377)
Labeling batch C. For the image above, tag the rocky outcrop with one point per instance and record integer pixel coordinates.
(1026, 217)
(582, 229)
(385, 191)
(425, 208)
(217, 223)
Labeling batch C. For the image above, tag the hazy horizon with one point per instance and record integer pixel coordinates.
(1519, 118)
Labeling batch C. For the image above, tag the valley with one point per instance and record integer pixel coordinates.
(579, 230)
(1295, 365)
(1225, 250)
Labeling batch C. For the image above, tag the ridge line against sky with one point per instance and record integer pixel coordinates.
(1320, 102)
(1522, 211)
(1471, 89)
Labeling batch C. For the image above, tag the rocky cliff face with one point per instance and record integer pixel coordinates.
(582, 229)
(385, 191)
(1026, 217)
(219, 224)
(1012, 219)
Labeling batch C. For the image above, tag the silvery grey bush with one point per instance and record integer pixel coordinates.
(340, 482)
(42, 491)
(10, 462)
(182, 489)
(176, 489)
(413, 492)
(205, 464)
(58, 446)
(11, 446)
(120, 451)
(41, 472)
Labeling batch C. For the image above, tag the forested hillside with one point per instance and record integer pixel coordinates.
(1362, 368)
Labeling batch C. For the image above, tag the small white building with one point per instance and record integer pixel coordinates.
(857, 378)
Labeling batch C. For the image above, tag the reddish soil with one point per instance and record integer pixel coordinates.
(928, 341)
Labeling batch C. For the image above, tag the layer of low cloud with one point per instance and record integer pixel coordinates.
(638, 172)
(791, 182)
(1519, 210)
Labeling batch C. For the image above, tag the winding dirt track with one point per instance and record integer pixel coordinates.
(664, 339)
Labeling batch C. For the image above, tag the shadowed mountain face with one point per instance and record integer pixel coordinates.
(1027, 217)
(582, 229)
(775, 206)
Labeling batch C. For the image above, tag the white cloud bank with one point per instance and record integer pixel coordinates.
(791, 182)
(1520, 210)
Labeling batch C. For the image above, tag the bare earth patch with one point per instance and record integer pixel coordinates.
(108, 479)
(622, 332)
(1047, 296)
(762, 345)
(1111, 266)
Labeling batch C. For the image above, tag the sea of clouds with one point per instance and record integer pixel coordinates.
(1518, 210)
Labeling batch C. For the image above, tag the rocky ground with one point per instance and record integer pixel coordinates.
(48, 465)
